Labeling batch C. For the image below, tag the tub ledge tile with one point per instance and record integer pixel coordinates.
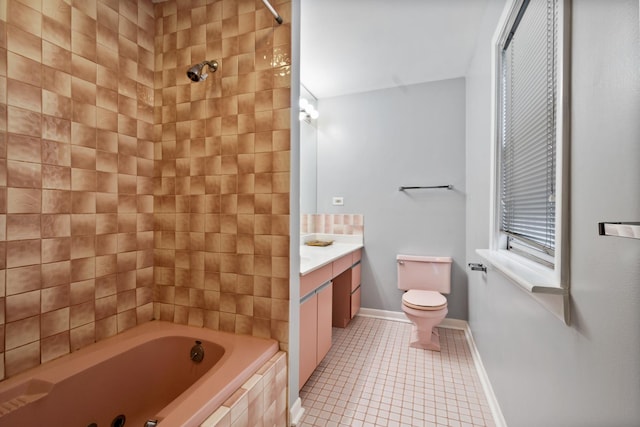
(238, 402)
(256, 389)
(220, 418)
(251, 382)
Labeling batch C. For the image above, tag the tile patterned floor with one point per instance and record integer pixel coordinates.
(372, 378)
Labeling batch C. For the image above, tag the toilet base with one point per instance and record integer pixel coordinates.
(426, 340)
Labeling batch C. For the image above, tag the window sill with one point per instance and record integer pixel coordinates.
(525, 273)
(531, 278)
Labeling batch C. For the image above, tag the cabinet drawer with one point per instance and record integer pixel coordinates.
(356, 273)
(355, 302)
(341, 265)
(356, 256)
(311, 281)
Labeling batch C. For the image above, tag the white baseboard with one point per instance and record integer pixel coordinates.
(462, 325)
(396, 316)
(296, 412)
(492, 400)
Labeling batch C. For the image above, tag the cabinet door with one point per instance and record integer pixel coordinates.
(325, 299)
(308, 338)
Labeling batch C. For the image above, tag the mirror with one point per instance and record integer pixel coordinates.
(308, 157)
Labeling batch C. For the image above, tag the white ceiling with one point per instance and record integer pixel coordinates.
(350, 46)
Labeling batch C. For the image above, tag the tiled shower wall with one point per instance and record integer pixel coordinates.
(221, 181)
(88, 202)
(76, 174)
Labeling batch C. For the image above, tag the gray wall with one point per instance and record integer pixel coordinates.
(543, 372)
(371, 143)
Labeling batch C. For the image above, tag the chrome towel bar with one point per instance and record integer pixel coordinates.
(430, 187)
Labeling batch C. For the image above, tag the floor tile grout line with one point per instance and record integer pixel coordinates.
(410, 383)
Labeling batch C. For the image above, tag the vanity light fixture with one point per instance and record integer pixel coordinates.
(307, 110)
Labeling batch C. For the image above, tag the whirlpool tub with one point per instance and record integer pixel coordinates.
(145, 373)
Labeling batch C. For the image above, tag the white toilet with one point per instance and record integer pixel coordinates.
(425, 278)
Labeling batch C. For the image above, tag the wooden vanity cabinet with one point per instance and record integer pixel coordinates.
(330, 297)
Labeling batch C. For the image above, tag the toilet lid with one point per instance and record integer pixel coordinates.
(424, 300)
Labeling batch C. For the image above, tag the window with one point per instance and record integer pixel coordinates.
(531, 131)
(528, 132)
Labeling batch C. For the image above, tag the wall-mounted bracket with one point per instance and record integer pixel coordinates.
(620, 229)
(474, 266)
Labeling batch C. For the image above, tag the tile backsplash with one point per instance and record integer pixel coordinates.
(351, 224)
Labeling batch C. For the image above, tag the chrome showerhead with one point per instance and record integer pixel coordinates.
(195, 73)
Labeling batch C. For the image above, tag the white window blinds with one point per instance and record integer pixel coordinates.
(528, 130)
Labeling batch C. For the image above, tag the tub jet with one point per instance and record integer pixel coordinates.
(119, 421)
(197, 352)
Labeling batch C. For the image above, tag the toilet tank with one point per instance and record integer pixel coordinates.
(427, 273)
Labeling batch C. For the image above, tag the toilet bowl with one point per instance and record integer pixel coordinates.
(425, 309)
(424, 279)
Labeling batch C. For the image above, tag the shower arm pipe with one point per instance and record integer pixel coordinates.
(275, 14)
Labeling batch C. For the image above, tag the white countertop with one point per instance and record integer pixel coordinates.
(314, 257)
